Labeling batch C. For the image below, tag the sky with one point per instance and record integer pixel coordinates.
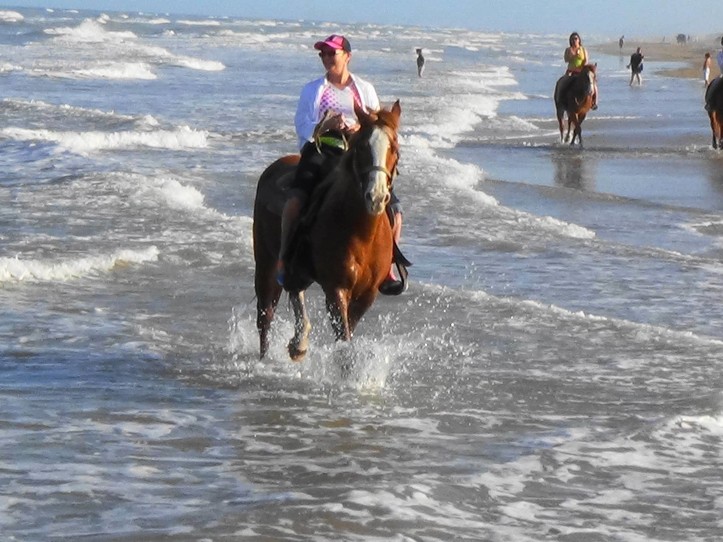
(610, 18)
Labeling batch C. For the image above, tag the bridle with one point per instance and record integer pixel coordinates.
(362, 173)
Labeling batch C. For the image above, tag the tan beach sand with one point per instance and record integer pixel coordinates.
(692, 53)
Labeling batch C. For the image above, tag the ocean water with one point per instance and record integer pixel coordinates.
(552, 373)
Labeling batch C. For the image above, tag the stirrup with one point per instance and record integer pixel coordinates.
(392, 287)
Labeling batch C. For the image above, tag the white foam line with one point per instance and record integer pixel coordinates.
(17, 270)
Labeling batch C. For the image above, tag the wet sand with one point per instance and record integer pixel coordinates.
(691, 53)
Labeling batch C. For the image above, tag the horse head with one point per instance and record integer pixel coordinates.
(374, 151)
(589, 72)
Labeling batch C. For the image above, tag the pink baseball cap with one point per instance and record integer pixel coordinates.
(335, 41)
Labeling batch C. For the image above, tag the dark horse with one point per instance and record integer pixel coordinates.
(345, 244)
(573, 95)
(714, 106)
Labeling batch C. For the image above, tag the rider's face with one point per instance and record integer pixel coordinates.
(333, 59)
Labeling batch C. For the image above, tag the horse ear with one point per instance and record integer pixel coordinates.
(397, 109)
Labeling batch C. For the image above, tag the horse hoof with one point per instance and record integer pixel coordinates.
(296, 354)
(298, 349)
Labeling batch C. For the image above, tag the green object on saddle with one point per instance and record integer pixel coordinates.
(332, 141)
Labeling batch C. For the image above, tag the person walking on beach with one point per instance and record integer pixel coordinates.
(636, 66)
(576, 57)
(621, 42)
(324, 120)
(706, 68)
(420, 63)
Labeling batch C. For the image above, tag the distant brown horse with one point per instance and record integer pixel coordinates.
(574, 95)
(714, 106)
(346, 244)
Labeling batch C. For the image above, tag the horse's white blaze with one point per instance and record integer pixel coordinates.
(376, 192)
(591, 78)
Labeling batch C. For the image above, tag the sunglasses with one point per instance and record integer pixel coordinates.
(330, 53)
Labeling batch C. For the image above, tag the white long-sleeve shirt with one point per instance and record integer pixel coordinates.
(309, 111)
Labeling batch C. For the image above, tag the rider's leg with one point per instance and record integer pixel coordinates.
(396, 208)
(289, 216)
(304, 178)
(397, 235)
(594, 95)
(314, 165)
(710, 88)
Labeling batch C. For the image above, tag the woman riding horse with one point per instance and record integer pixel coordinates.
(347, 242)
(576, 57)
(324, 120)
(574, 97)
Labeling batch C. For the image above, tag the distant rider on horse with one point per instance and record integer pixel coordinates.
(576, 57)
(716, 81)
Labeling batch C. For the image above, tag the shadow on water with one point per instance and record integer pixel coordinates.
(573, 169)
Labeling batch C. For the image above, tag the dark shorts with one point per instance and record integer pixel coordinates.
(314, 165)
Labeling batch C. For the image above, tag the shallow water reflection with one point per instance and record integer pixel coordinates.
(573, 169)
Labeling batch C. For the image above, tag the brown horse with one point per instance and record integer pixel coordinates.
(573, 95)
(714, 106)
(345, 244)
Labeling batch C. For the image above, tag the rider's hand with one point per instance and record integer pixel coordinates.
(352, 129)
(331, 122)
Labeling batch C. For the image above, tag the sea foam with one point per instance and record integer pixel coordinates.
(18, 270)
(181, 138)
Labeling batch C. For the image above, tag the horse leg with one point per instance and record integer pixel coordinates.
(560, 114)
(268, 293)
(715, 127)
(569, 127)
(358, 307)
(578, 128)
(299, 343)
(337, 305)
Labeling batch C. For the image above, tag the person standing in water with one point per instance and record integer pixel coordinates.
(636, 66)
(420, 63)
